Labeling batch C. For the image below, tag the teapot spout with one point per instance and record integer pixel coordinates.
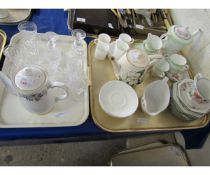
(7, 83)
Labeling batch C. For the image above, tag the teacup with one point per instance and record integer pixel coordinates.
(178, 64)
(200, 90)
(152, 44)
(102, 46)
(102, 49)
(3, 13)
(156, 97)
(104, 38)
(159, 68)
(126, 38)
(120, 49)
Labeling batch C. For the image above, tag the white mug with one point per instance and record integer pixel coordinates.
(102, 50)
(103, 37)
(120, 49)
(126, 38)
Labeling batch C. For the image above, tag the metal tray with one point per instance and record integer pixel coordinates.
(16, 16)
(158, 29)
(65, 113)
(102, 72)
(3, 39)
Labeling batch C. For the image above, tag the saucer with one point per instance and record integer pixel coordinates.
(118, 99)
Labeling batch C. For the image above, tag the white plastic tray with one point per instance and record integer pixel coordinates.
(69, 112)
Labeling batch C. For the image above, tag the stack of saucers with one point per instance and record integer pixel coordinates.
(184, 105)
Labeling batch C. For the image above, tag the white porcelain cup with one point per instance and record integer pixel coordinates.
(120, 49)
(159, 68)
(126, 38)
(156, 97)
(178, 63)
(3, 13)
(201, 88)
(102, 50)
(103, 37)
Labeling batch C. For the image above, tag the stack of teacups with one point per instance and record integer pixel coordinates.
(190, 99)
(102, 46)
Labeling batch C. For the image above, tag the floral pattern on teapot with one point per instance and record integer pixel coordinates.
(35, 97)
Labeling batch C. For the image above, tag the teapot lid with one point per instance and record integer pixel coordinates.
(138, 58)
(182, 32)
(30, 78)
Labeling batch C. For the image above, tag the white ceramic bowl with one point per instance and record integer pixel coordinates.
(118, 99)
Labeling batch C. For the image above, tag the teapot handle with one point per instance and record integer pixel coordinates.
(199, 31)
(197, 77)
(164, 36)
(62, 86)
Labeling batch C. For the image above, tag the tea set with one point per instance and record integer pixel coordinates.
(189, 99)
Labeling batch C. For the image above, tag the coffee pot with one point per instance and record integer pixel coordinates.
(30, 83)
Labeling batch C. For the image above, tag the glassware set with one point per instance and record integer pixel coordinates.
(62, 65)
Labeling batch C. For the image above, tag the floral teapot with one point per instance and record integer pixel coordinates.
(31, 85)
(133, 65)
